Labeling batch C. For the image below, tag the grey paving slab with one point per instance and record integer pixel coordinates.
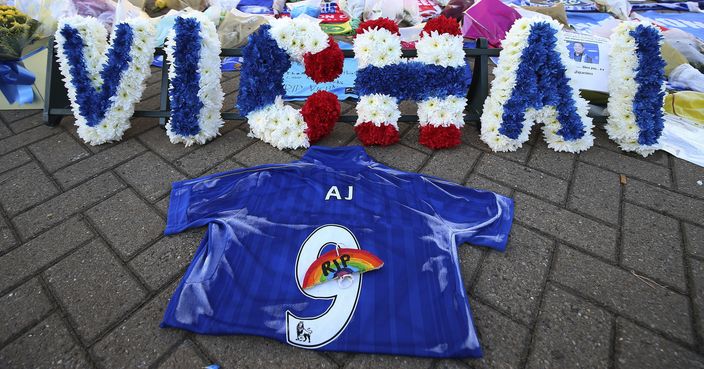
(256, 352)
(58, 151)
(341, 134)
(470, 135)
(66, 204)
(596, 192)
(658, 308)
(262, 153)
(452, 164)
(668, 202)
(694, 236)
(22, 308)
(638, 348)
(24, 187)
(513, 281)
(126, 222)
(157, 140)
(587, 281)
(89, 167)
(523, 178)
(450, 364)
(470, 259)
(548, 160)
(411, 139)
(387, 362)
(566, 225)
(697, 269)
(163, 205)
(36, 254)
(480, 182)
(13, 160)
(689, 177)
(5, 130)
(570, 333)
(25, 123)
(398, 156)
(627, 165)
(216, 151)
(25, 138)
(13, 115)
(225, 166)
(184, 357)
(138, 342)
(659, 157)
(503, 341)
(94, 289)
(48, 345)
(166, 258)
(652, 244)
(7, 237)
(150, 175)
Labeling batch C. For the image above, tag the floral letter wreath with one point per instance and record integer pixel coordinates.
(267, 57)
(533, 84)
(438, 79)
(636, 87)
(195, 92)
(104, 82)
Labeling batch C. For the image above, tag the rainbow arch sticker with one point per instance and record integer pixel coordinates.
(339, 263)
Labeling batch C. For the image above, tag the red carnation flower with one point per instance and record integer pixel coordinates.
(439, 137)
(320, 112)
(379, 23)
(326, 65)
(383, 135)
(442, 24)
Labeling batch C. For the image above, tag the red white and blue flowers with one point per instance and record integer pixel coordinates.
(104, 82)
(636, 87)
(195, 92)
(437, 79)
(533, 84)
(267, 57)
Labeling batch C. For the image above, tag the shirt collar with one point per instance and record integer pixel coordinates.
(351, 158)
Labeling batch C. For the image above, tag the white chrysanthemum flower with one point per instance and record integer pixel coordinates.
(441, 49)
(377, 47)
(298, 36)
(378, 109)
(441, 112)
(280, 125)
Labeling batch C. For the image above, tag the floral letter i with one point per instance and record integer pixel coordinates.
(636, 87)
(104, 82)
(193, 48)
(533, 84)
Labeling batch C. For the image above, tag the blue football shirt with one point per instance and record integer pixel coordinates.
(268, 224)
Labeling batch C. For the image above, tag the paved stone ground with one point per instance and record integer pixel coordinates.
(604, 268)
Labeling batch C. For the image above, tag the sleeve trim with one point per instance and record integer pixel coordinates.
(176, 217)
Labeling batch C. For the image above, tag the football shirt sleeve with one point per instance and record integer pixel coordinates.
(478, 217)
(197, 202)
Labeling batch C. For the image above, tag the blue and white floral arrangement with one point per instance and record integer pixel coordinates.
(636, 87)
(533, 84)
(104, 82)
(267, 56)
(195, 93)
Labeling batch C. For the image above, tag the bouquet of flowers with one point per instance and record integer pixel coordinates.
(17, 31)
